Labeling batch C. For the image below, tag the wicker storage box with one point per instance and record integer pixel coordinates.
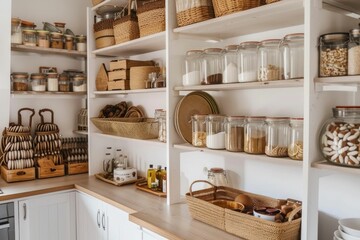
(139, 75)
(151, 16)
(104, 33)
(224, 7)
(126, 28)
(193, 11)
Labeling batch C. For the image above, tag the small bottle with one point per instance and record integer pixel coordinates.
(118, 163)
(150, 175)
(158, 179)
(164, 180)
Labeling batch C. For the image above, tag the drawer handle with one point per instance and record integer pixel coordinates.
(20, 173)
(98, 218)
(52, 169)
(24, 207)
(103, 221)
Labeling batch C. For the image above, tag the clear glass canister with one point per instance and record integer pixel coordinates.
(43, 38)
(215, 133)
(339, 137)
(193, 60)
(255, 135)
(198, 130)
(234, 133)
(69, 42)
(64, 83)
(354, 52)
(277, 136)
(230, 69)
(269, 60)
(292, 56)
(212, 62)
(16, 34)
(333, 57)
(20, 81)
(52, 82)
(161, 118)
(218, 177)
(79, 83)
(247, 61)
(295, 147)
(38, 82)
(29, 37)
(81, 43)
(56, 40)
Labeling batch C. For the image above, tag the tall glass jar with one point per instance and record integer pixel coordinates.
(29, 37)
(52, 82)
(193, 60)
(215, 134)
(269, 60)
(234, 133)
(212, 66)
(354, 52)
(230, 69)
(292, 56)
(198, 130)
(339, 137)
(79, 83)
(295, 147)
(247, 61)
(333, 48)
(38, 82)
(277, 136)
(81, 43)
(64, 83)
(16, 34)
(162, 125)
(43, 38)
(255, 135)
(69, 42)
(56, 40)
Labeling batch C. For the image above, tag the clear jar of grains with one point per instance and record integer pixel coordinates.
(56, 40)
(43, 38)
(193, 61)
(255, 135)
(198, 130)
(277, 136)
(247, 61)
(215, 133)
(19, 81)
(29, 37)
(69, 42)
(38, 82)
(234, 133)
(64, 83)
(269, 57)
(213, 66)
(230, 68)
(354, 52)
(295, 147)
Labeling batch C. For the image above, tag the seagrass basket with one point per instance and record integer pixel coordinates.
(151, 17)
(224, 7)
(193, 11)
(104, 33)
(126, 28)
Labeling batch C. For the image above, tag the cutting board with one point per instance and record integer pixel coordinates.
(102, 78)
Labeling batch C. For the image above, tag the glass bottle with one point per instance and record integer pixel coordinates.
(234, 133)
(43, 38)
(198, 130)
(247, 61)
(119, 159)
(151, 172)
(218, 177)
(230, 68)
(193, 60)
(354, 52)
(277, 136)
(20, 81)
(29, 37)
(295, 147)
(52, 82)
(212, 62)
(255, 135)
(292, 56)
(16, 34)
(268, 60)
(38, 82)
(215, 133)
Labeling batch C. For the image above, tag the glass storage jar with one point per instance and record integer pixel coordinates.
(212, 62)
(277, 136)
(217, 176)
(354, 52)
(193, 60)
(162, 125)
(255, 135)
(268, 60)
(198, 130)
(333, 49)
(81, 43)
(295, 147)
(56, 40)
(43, 38)
(52, 82)
(248, 61)
(292, 56)
(215, 134)
(230, 68)
(340, 136)
(79, 83)
(29, 37)
(64, 83)
(234, 133)
(16, 34)
(20, 81)
(38, 82)
(69, 42)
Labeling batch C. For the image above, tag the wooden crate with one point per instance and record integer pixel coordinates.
(77, 168)
(127, 64)
(119, 85)
(17, 175)
(49, 172)
(119, 75)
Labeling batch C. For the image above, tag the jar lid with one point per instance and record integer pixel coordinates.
(59, 24)
(332, 37)
(52, 75)
(194, 51)
(296, 119)
(216, 170)
(212, 50)
(355, 32)
(270, 41)
(20, 74)
(230, 48)
(277, 119)
(81, 36)
(214, 116)
(199, 116)
(249, 44)
(230, 118)
(68, 36)
(294, 36)
(57, 34)
(37, 76)
(15, 20)
(256, 117)
(63, 77)
(27, 24)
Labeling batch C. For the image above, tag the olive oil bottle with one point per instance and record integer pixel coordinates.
(150, 176)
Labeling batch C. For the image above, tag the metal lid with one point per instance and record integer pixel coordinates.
(332, 37)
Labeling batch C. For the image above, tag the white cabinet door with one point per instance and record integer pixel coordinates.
(149, 235)
(48, 217)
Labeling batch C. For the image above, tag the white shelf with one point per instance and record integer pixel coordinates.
(69, 53)
(242, 155)
(145, 44)
(325, 165)
(126, 92)
(260, 19)
(340, 83)
(32, 94)
(141, 141)
(110, 2)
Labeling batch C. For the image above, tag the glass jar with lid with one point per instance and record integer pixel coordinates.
(79, 83)
(277, 136)
(20, 81)
(69, 42)
(38, 82)
(215, 133)
(198, 130)
(43, 38)
(269, 60)
(295, 147)
(255, 135)
(230, 69)
(213, 67)
(16, 34)
(64, 83)
(29, 37)
(340, 136)
(354, 52)
(333, 50)
(248, 61)
(217, 176)
(52, 82)
(234, 133)
(81, 43)
(292, 56)
(56, 40)
(161, 118)
(193, 61)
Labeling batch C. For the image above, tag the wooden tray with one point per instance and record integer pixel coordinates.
(142, 185)
(102, 177)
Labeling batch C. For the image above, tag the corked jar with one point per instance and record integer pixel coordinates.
(64, 83)
(20, 81)
(38, 82)
(56, 40)
(43, 38)
(255, 135)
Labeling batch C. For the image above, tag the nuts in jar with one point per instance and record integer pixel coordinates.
(198, 130)
(19, 81)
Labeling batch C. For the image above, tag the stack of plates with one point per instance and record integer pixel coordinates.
(192, 104)
(349, 229)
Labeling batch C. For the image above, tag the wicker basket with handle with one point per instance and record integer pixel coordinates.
(224, 7)
(151, 16)
(126, 28)
(193, 11)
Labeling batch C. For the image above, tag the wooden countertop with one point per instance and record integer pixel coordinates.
(146, 210)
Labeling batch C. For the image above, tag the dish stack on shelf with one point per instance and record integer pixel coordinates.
(349, 229)
(75, 154)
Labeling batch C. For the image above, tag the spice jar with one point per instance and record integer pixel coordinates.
(56, 40)
(81, 43)
(69, 42)
(339, 137)
(79, 83)
(277, 136)
(295, 147)
(215, 134)
(269, 57)
(198, 130)
(255, 135)
(19, 81)
(52, 82)
(193, 68)
(247, 60)
(292, 56)
(64, 83)
(29, 37)
(230, 68)
(38, 82)
(212, 62)
(218, 177)
(234, 133)
(43, 38)
(16, 34)
(333, 58)
(354, 52)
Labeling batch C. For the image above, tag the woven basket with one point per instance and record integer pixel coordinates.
(224, 7)
(151, 16)
(126, 28)
(139, 75)
(193, 11)
(96, 2)
(104, 33)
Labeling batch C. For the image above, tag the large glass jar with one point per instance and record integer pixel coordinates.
(56, 40)
(255, 135)
(43, 38)
(269, 60)
(248, 61)
(198, 130)
(16, 34)
(38, 82)
(29, 37)
(69, 42)
(339, 137)
(234, 133)
(81, 43)
(215, 134)
(20, 81)
(79, 83)
(162, 126)
(333, 48)
(64, 83)
(277, 136)
(52, 82)
(193, 60)
(354, 52)
(295, 147)
(292, 56)
(230, 70)
(212, 66)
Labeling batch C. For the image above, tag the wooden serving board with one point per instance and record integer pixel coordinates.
(142, 185)
(102, 177)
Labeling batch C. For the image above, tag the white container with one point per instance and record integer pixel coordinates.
(125, 175)
(230, 73)
(193, 61)
(52, 82)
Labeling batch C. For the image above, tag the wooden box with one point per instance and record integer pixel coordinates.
(119, 75)
(17, 175)
(127, 64)
(119, 85)
(77, 168)
(49, 172)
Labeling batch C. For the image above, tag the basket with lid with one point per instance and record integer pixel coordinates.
(193, 11)
(151, 16)
(126, 28)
